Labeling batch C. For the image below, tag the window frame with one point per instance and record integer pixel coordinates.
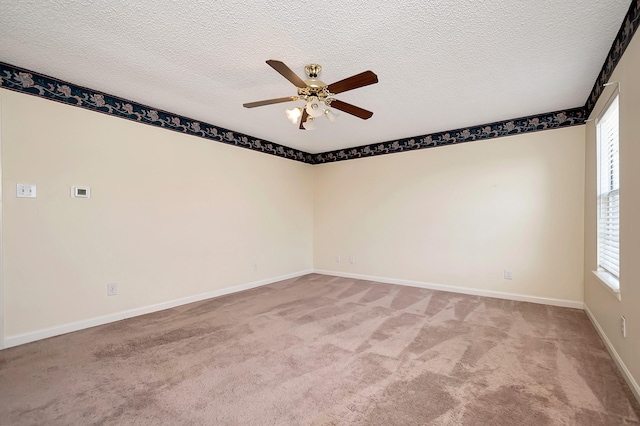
(607, 276)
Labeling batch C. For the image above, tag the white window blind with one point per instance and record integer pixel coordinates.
(609, 191)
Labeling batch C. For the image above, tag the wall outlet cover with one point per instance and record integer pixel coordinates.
(112, 289)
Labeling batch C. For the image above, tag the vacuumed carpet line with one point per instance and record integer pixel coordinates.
(323, 350)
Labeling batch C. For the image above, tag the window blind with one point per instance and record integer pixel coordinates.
(609, 191)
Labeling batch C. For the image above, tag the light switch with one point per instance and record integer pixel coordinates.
(26, 190)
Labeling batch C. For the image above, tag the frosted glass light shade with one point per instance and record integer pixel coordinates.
(330, 115)
(294, 114)
(314, 107)
(309, 124)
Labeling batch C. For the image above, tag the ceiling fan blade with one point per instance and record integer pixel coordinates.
(270, 101)
(351, 109)
(359, 80)
(286, 72)
(305, 115)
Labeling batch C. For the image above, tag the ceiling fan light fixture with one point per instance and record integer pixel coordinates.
(330, 115)
(317, 95)
(309, 124)
(314, 108)
(294, 114)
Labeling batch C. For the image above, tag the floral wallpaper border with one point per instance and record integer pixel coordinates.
(625, 34)
(29, 82)
(25, 81)
(552, 120)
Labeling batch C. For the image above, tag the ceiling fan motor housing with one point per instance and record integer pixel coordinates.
(315, 88)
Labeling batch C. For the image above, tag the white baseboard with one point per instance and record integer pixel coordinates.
(20, 339)
(464, 290)
(44, 333)
(621, 365)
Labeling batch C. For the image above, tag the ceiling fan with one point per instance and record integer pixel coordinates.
(316, 93)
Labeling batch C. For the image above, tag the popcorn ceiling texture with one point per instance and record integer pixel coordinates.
(441, 65)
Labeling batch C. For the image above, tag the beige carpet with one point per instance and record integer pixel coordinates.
(321, 350)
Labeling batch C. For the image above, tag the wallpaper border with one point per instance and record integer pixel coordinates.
(533, 123)
(32, 83)
(627, 30)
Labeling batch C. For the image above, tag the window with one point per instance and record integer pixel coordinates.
(607, 130)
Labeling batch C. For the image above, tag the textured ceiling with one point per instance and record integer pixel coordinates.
(441, 64)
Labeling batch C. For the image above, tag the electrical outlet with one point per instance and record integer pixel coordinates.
(337, 258)
(508, 274)
(352, 259)
(112, 289)
(623, 326)
(255, 266)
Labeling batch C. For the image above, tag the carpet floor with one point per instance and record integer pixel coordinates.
(320, 350)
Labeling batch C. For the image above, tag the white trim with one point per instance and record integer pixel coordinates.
(44, 333)
(464, 290)
(610, 282)
(614, 354)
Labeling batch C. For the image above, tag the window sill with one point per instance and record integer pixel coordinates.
(609, 282)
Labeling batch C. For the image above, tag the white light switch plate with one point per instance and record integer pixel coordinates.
(25, 190)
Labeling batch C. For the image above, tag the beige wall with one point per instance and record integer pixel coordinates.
(605, 307)
(173, 216)
(460, 215)
(170, 215)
